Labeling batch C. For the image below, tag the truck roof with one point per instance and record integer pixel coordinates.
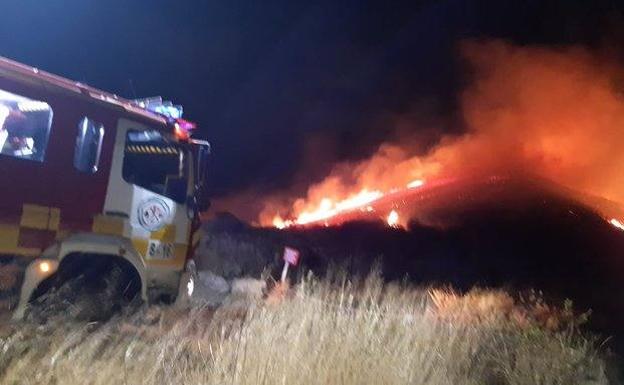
(22, 72)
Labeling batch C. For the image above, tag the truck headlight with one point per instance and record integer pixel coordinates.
(44, 266)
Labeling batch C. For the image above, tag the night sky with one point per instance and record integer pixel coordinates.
(285, 89)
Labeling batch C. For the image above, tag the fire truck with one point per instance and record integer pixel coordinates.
(94, 183)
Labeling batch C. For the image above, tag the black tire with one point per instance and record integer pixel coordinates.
(93, 295)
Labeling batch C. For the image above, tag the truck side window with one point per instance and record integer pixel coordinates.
(88, 145)
(155, 164)
(24, 126)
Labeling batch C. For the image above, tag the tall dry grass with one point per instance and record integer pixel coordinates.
(316, 333)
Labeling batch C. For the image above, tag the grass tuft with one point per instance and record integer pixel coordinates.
(316, 332)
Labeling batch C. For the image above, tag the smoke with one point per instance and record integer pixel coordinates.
(558, 113)
(554, 112)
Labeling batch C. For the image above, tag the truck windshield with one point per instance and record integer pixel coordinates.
(152, 162)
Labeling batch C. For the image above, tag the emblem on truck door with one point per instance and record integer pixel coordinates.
(153, 214)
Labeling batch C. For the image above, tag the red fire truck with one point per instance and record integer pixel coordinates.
(92, 181)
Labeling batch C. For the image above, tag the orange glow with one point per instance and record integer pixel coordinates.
(393, 219)
(415, 183)
(280, 223)
(528, 111)
(327, 208)
(617, 224)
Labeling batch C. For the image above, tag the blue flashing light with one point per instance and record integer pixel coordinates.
(157, 105)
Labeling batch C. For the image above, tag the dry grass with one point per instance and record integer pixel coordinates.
(314, 333)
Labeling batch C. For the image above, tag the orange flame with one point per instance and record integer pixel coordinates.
(415, 183)
(527, 110)
(280, 223)
(393, 219)
(327, 208)
(616, 223)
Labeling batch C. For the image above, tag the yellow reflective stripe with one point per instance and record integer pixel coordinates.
(40, 217)
(55, 219)
(166, 234)
(22, 251)
(180, 251)
(9, 234)
(105, 224)
(35, 216)
(140, 245)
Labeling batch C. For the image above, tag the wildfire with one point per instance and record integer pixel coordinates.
(527, 111)
(393, 219)
(617, 224)
(329, 208)
(280, 223)
(416, 183)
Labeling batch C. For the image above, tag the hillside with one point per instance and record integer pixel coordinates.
(500, 232)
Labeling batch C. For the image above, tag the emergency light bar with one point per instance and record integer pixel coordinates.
(181, 128)
(163, 107)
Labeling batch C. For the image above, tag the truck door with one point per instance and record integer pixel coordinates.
(150, 181)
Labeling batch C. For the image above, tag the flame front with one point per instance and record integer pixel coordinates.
(393, 219)
(616, 223)
(527, 110)
(416, 183)
(280, 223)
(328, 208)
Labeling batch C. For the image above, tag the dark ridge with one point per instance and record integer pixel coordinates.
(514, 234)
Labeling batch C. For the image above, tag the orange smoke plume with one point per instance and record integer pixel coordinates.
(556, 113)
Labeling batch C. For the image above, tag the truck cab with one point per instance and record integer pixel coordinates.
(93, 180)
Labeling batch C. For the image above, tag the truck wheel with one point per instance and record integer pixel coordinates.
(94, 295)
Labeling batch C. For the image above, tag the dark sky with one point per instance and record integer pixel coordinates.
(274, 82)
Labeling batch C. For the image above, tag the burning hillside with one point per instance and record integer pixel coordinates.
(554, 113)
(510, 232)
